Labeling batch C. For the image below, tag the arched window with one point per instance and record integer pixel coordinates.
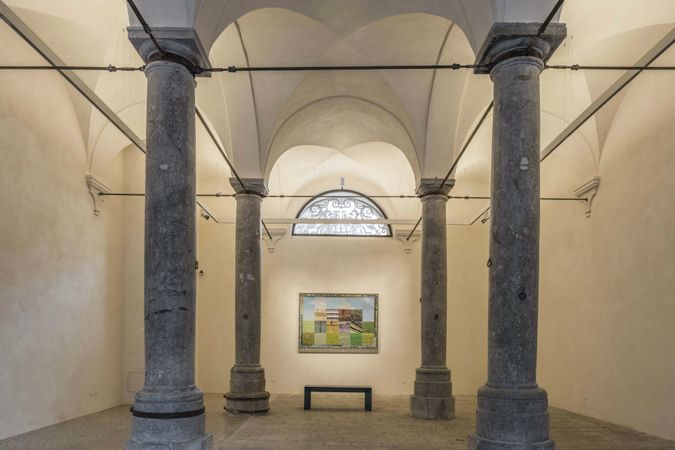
(341, 204)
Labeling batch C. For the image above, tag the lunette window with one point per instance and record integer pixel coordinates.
(345, 205)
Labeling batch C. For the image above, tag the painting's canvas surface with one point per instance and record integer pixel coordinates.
(338, 323)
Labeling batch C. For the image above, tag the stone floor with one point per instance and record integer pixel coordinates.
(337, 422)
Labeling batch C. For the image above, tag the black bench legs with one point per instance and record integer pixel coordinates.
(308, 398)
(367, 391)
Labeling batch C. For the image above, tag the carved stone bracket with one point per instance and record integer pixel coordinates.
(588, 191)
(96, 187)
(402, 236)
(277, 235)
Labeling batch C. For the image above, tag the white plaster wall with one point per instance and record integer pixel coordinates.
(60, 284)
(607, 308)
(367, 265)
(215, 306)
(467, 306)
(133, 272)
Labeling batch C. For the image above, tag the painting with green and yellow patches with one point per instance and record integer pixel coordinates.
(338, 323)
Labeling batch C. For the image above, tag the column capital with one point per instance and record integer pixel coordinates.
(255, 186)
(433, 186)
(181, 45)
(510, 39)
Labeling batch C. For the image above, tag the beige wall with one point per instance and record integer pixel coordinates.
(467, 306)
(133, 356)
(607, 318)
(215, 306)
(366, 265)
(60, 266)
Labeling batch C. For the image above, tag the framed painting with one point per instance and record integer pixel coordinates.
(338, 323)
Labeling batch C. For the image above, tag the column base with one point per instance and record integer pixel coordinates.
(169, 418)
(478, 443)
(201, 442)
(511, 418)
(247, 404)
(169, 432)
(247, 391)
(433, 394)
(432, 408)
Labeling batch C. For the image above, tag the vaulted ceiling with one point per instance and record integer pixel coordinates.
(381, 130)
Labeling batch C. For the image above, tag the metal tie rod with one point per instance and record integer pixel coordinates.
(233, 69)
(451, 197)
(584, 67)
(109, 68)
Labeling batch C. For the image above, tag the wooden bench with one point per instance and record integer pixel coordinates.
(367, 390)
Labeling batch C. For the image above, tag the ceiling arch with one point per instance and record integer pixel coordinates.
(341, 122)
(373, 168)
(425, 102)
(247, 117)
(475, 17)
(346, 16)
(350, 32)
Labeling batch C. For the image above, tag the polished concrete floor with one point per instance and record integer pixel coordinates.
(336, 421)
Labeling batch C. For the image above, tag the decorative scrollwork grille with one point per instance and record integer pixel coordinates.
(343, 205)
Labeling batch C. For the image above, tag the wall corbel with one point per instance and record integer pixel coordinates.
(402, 236)
(96, 187)
(588, 191)
(276, 235)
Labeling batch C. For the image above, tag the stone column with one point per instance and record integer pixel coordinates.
(247, 378)
(512, 410)
(433, 388)
(169, 411)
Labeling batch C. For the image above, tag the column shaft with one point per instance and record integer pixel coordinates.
(247, 393)
(432, 398)
(247, 284)
(434, 281)
(170, 227)
(514, 228)
(169, 388)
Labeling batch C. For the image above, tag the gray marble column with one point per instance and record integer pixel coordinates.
(512, 410)
(433, 388)
(247, 393)
(169, 411)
